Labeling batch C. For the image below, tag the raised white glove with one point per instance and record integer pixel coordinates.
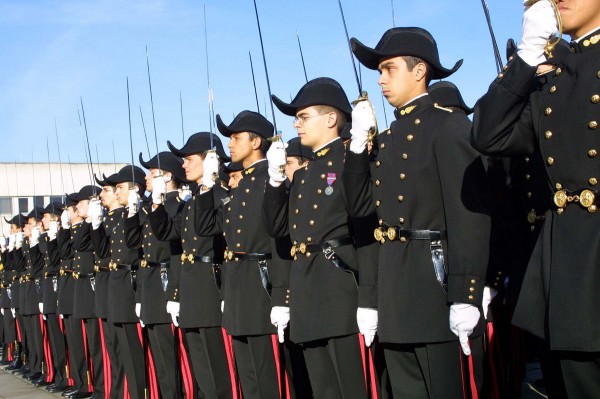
(11, 242)
(133, 203)
(95, 213)
(41, 307)
(2, 243)
(210, 168)
(277, 160)
(14, 313)
(35, 237)
(173, 310)
(539, 23)
(159, 189)
(19, 239)
(367, 320)
(185, 194)
(463, 319)
(362, 120)
(65, 219)
(53, 230)
(489, 293)
(280, 318)
(222, 306)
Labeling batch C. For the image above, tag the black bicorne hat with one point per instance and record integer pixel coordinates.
(169, 162)
(247, 121)
(18, 219)
(233, 167)
(199, 143)
(396, 42)
(295, 149)
(128, 174)
(69, 200)
(36, 213)
(86, 193)
(319, 91)
(54, 208)
(446, 94)
(105, 181)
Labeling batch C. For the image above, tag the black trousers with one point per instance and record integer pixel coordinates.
(335, 368)
(436, 370)
(164, 353)
(128, 348)
(78, 363)
(295, 367)
(10, 329)
(35, 342)
(209, 361)
(94, 342)
(255, 361)
(116, 366)
(581, 373)
(20, 325)
(57, 348)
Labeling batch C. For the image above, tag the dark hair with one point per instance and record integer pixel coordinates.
(264, 143)
(341, 117)
(411, 63)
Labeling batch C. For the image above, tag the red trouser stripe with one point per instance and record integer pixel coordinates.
(235, 384)
(105, 362)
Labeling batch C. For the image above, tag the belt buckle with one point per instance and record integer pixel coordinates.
(302, 248)
(293, 250)
(190, 258)
(97, 268)
(587, 199)
(76, 275)
(228, 255)
(392, 233)
(183, 257)
(112, 265)
(61, 272)
(560, 198)
(143, 263)
(380, 233)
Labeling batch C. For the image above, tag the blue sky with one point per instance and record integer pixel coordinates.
(53, 52)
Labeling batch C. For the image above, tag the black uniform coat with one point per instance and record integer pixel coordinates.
(560, 120)
(18, 265)
(49, 282)
(83, 266)
(194, 285)
(66, 283)
(110, 242)
(7, 278)
(149, 291)
(31, 285)
(323, 298)
(426, 176)
(247, 304)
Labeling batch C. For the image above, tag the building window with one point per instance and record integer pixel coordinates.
(23, 205)
(6, 205)
(38, 201)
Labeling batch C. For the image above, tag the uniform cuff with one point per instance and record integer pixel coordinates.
(465, 289)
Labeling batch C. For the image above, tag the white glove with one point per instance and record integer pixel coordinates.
(362, 120)
(173, 310)
(277, 160)
(489, 293)
(41, 307)
(539, 23)
(53, 230)
(159, 189)
(280, 318)
(367, 323)
(2, 311)
(133, 203)
(65, 219)
(19, 239)
(185, 194)
(62, 316)
(138, 309)
(14, 313)
(210, 169)
(463, 319)
(222, 306)
(95, 213)
(2, 243)
(11, 242)
(35, 237)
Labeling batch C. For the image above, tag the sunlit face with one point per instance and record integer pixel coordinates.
(14, 229)
(27, 230)
(579, 16)
(82, 208)
(311, 124)
(47, 218)
(73, 214)
(122, 193)
(108, 196)
(292, 164)
(234, 179)
(241, 146)
(398, 84)
(193, 165)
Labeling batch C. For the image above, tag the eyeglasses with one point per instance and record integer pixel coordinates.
(301, 119)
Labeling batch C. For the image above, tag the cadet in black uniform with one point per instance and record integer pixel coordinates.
(48, 246)
(110, 243)
(197, 297)
(254, 280)
(425, 183)
(297, 156)
(323, 298)
(155, 272)
(558, 300)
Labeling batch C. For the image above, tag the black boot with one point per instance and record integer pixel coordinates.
(17, 363)
(5, 352)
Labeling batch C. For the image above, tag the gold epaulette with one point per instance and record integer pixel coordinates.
(442, 108)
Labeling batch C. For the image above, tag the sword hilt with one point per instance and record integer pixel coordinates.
(278, 137)
(364, 96)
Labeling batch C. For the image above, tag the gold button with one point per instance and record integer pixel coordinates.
(315, 206)
(527, 177)
(302, 181)
(237, 245)
(558, 186)
(226, 220)
(294, 227)
(529, 195)
(526, 159)
(593, 125)
(297, 211)
(598, 74)
(417, 122)
(382, 145)
(312, 222)
(308, 239)
(241, 217)
(377, 203)
(299, 196)
(592, 153)
(550, 160)
(500, 75)
(400, 198)
(471, 297)
(505, 67)
(247, 190)
(319, 191)
(558, 71)
(322, 176)
(329, 163)
(548, 111)
(238, 231)
(405, 156)
(381, 222)
(243, 204)
(401, 220)
(595, 99)
(402, 176)
(553, 89)
(471, 289)
(402, 239)
(378, 163)
(410, 137)
(377, 183)
(473, 281)
(548, 135)
(593, 181)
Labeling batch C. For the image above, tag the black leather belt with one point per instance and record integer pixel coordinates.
(100, 269)
(63, 272)
(258, 256)
(82, 275)
(394, 232)
(146, 264)
(303, 248)
(51, 274)
(118, 266)
(191, 258)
